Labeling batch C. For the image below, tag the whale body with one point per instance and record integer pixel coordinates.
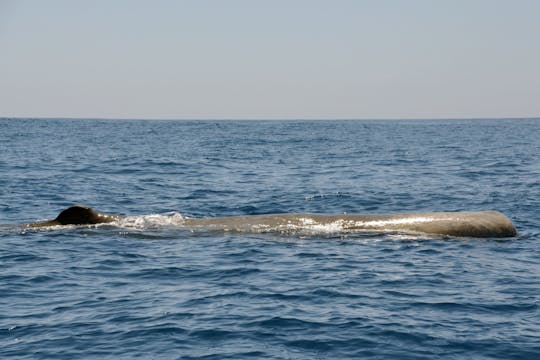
(479, 224)
(453, 224)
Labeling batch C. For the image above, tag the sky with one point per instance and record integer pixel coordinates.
(270, 59)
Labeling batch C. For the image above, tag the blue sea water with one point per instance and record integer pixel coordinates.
(159, 291)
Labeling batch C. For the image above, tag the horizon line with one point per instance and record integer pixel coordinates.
(265, 119)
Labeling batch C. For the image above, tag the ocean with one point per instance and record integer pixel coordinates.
(152, 289)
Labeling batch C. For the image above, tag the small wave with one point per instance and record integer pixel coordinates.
(151, 221)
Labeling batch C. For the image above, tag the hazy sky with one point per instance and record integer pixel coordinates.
(270, 59)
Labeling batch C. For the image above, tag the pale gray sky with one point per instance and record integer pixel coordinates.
(274, 59)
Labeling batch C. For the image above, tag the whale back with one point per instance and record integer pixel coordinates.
(479, 224)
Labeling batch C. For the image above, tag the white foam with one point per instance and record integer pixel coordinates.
(307, 226)
(151, 221)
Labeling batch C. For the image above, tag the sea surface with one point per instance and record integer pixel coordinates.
(151, 289)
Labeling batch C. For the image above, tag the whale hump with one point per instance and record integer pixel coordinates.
(77, 215)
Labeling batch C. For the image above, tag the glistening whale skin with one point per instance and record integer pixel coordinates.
(479, 224)
(78, 215)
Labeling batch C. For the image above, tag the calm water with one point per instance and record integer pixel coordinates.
(155, 290)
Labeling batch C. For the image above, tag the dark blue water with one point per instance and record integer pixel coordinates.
(156, 290)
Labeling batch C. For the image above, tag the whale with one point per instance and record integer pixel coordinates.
(476, 224)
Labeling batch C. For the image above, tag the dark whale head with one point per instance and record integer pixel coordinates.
(78, 215)
(82, 215)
